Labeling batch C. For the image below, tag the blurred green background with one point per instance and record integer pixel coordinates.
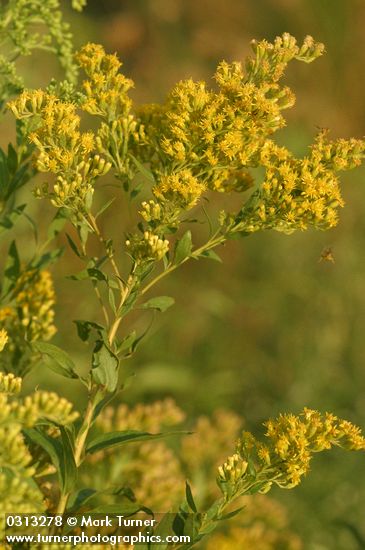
(273, 328)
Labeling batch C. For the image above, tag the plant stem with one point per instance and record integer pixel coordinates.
(98, 233)
(62, 504)
(124, 295)
(83, 432)
(212, 243)
(102, 305)
(79, 448)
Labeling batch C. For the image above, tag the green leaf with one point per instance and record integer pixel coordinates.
(61, 454)
(211, 255)
(96, 274)
(79, 498)
(105, 366)
(160, 303)
(84, 231)
(112, 283)
(80, 276)
(82, 496)
(103, 402)
(231, 514)
(123, 508)
(89, 273)
(144, 171)
(47, 258)
(62, 364)
(69, 465)
(57, 224)
(127, 342)
(111, 299)
(190, 498)
(177, 524)
(8, 221)
(129, 303)
(105, 207)
(84, 329)
(138, 340)
(183, 247)
(116, 439)
(164, 529)
(12, 159)
(73, 246)
(12, 269)
(136, 191)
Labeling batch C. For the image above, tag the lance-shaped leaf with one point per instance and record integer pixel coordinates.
(84, 329)
(12, 269)
(105, 366)
(61, 454)
(59, 361)
(189, 498)
(211, 255)
(8, 221)
(183, 248)
(116, 439)
(160, 303)
(143, 170)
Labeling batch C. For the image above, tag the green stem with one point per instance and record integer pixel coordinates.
(118, 318)
(83, 432)
(79, 448)
(102, 305)
(212, 243)
(99, 235)
(62, 504)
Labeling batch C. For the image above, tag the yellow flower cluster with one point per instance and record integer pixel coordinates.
(182, 189)
(149, 247)
(285, 458)
(173, 194)
(106, 96)
(198, 139)
(152, 464)
(209, 139)
(38, 405)
(32, 313)
(63, 149)
(9, 383)
(270, 60)
(219, 133)
(18, 491)
(151, 211)
(43, 404)
(28, 317)
(298, 193)
(149, 418)
(156, 465)
(34, 302)
(106, 90)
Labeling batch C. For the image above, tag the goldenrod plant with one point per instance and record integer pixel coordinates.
(200, 145)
